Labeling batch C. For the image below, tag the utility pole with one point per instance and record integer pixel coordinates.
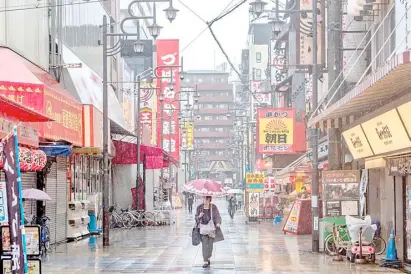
(138, 140)
(106, 218)
(314, 137)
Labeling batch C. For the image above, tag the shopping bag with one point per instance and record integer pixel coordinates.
(195, 236)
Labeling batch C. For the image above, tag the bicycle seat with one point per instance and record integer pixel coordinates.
(124, 210)
(111, 209)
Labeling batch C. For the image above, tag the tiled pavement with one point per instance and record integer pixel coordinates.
(252, 248)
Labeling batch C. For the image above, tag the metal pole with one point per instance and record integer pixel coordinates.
(138, 135)
(161, 133)
(106, 221)
(314, 140)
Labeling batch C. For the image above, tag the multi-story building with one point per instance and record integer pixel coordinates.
(213, 123)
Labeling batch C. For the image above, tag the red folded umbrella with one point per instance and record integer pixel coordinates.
(205, 187)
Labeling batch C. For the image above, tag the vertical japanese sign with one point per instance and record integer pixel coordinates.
(187, 138)
(275, 130)
(278, 61)
(258, 90)
(167, 62)
(147, 92)
(306, 39)
(12, 173)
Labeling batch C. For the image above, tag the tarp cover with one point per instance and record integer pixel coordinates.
(56, 150)
(126, 154)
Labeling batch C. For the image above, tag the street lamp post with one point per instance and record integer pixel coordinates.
(107, 52)
(258, 8)
(138, 137)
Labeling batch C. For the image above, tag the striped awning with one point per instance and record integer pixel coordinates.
(389, 80)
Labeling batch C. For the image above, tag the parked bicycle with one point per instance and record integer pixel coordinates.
(340, 237)
(44, 233)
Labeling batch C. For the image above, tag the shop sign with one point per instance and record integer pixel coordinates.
(322, 151)
(405, 114)
(187, 137)
(260, 96)
(26, 134)
(128, 97)
(147, 94)
(279, 71)
(386, 133)
(341, 176)
(66, 112)
(341, 184)
(67, 116)
(306, 39)
(255, 182)
(253, 205)
(10, 156)
(399, 166)
(363, 190)
(93, 128)
(357, 143)
(29, 95)
(275, 130)
(168, 62)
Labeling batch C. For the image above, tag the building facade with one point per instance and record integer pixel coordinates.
(213, 123)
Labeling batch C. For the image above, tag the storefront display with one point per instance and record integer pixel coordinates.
(34, 266)
(341, 192)
(299, 220)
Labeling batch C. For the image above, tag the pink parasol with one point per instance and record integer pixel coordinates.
(204, 187)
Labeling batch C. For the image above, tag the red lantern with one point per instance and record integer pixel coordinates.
(39, 160)
(26, 159)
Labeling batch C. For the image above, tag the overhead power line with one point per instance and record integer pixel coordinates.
(46, 5)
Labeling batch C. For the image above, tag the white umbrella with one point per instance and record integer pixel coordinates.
(235, 191)
(35, 194)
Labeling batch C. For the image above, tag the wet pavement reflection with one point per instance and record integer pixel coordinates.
(248, 248)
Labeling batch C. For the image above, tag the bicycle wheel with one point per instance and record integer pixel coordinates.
(47, 243)
(127, 220)
(329, 244)
(379, 244)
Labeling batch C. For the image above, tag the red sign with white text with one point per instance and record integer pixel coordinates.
(66, 112)
(168, 57)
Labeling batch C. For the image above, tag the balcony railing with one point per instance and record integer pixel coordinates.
(212, 146)
(211, 111)
(215, 99)
(212, 134)
(228, 122)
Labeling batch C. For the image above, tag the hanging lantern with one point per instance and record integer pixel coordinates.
(26, 159)
(39, 160)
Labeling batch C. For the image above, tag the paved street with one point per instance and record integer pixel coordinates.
(253, 248)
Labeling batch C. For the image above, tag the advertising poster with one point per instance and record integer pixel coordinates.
(255, 182)
(168, 60)
(32, 240)
(34, 266)
(253, 204)
(291, 225)
(275, 130)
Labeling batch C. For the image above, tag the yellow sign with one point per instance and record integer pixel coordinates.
(357, 143)
(405, 114)
(188, 141)
(254, 178)
(276, 135)
(386, 133)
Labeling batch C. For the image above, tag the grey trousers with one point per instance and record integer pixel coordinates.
(207, 243)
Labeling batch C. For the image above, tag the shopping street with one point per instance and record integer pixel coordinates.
(252, 248)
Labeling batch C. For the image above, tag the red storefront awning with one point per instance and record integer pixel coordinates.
(34, 88)
(17, 111)
(126, 154)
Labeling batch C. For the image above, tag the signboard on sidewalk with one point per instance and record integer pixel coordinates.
(255, 182)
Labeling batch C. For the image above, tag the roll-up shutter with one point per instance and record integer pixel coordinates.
(56, 209)
(61, 214)
(28, 180)
(51, 206)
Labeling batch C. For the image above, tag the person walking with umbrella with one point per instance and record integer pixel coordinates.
(209, 220)
(207, 216)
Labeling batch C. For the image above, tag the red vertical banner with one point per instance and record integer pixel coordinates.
(168, 61)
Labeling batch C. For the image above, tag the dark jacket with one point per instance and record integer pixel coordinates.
(216, 219)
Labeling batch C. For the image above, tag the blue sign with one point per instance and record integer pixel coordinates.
(172, 179)
(247, 169)
(255, 186)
